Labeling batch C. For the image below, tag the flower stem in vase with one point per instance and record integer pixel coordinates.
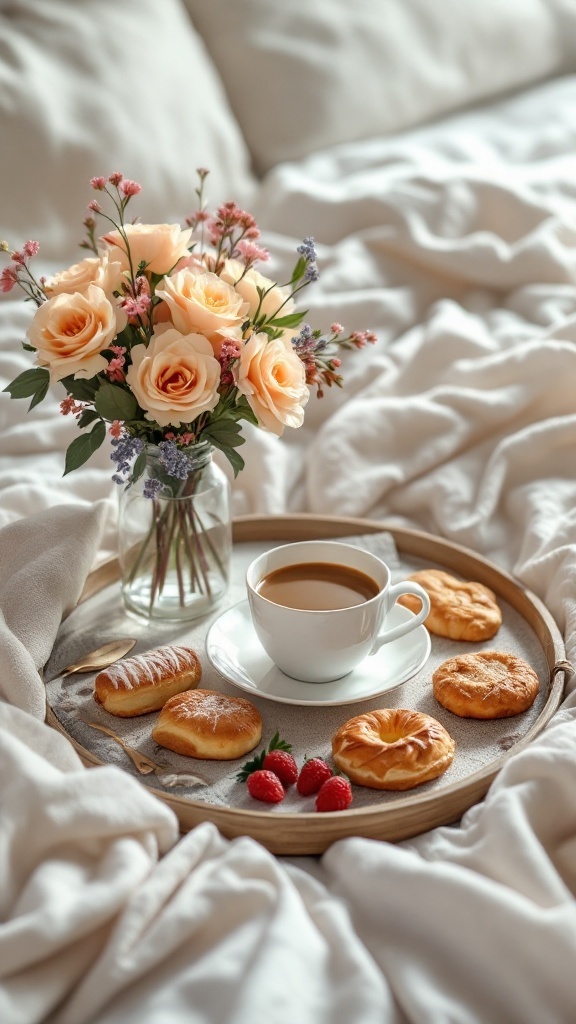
(175, 546)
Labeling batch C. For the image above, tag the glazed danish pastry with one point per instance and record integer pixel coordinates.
(459, 609)
(488, 684)
(144, 682)
(208, 725)
(392, 748)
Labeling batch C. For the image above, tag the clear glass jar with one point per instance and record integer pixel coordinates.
(175, 538)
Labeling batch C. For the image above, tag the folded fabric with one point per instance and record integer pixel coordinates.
(45, 560)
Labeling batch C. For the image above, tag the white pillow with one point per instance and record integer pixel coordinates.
(303, 75)
(88, 87)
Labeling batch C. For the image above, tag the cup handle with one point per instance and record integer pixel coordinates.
(405, 587)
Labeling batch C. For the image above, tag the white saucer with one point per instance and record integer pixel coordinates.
(235, 651)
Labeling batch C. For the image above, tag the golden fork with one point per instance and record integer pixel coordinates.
(146, 766)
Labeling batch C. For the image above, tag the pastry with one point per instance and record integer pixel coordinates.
(393, 748)
(144, 682)
(208, 725)
(459, 609)
(488, 684)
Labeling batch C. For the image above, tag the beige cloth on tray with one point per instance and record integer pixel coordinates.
(106, 916)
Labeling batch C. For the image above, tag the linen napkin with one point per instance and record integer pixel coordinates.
(44, 562)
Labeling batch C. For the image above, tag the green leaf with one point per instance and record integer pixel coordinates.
(243, 410)
(86, 417)
(39, 395)
(299, 270)
(223, 433)
(114, 403)
(29, 348)
(290, 320)
(81, 388)
(28, 383)
(139, 466)
(83, 447)
(235, 460)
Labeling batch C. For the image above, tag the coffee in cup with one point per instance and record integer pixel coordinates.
(319, 607)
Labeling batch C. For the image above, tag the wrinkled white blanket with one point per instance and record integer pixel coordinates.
(457, 244)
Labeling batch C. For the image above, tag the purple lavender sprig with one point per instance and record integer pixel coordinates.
(308, 251)
(125, 450)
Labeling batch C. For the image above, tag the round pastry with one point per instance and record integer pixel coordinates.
(393, 748)
(488, 684)
(208, 725)
(144, 682)
(459, 609)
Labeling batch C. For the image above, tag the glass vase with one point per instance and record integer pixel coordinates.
(175, 538)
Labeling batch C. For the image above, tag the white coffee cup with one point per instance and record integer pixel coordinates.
(317, 646)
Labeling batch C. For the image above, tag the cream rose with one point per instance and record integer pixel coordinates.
(203, 302)
(98, 270)
(273, 379)
(175, 378)
(70, 331)
(275, 298)
(159, 246)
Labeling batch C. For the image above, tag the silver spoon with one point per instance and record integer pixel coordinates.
(101, 657)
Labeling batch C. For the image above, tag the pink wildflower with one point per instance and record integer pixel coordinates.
(251, 252)
(19, 257)
(186, 438)
(94, 205)
(336, 329)
(215, 230)
(115, 178)
(115, 428)
(115, 366)
(130, 188)
(8, 278)
(202, 172)
(31, 248)
(70, 405)
(170, 436)
(361, 338)
(252, 233)
(98, 183)
(135, 307)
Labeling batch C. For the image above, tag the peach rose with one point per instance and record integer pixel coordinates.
(248, 284)
(273, 379)
(175, 378)
(203, 302)
(70, 331)
(160, 246)
(99, 270)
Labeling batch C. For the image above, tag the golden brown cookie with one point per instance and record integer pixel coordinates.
(459, 609)
(392, 748)
(488, 684)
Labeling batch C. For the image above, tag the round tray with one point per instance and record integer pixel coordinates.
(306, 833)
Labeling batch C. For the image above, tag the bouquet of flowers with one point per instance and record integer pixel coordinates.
(167, 338)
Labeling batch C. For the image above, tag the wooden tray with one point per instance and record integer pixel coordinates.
(312, 833)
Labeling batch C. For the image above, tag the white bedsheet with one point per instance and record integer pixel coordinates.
(457, 244)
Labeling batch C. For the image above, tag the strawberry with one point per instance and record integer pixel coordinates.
(312, 774)
(266, 786)
(283, 765)
(334, 795)
(257, 762)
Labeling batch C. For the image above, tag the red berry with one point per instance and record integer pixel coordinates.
(266, 786)
(283, 765)
(312, 774)
(335, 794)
